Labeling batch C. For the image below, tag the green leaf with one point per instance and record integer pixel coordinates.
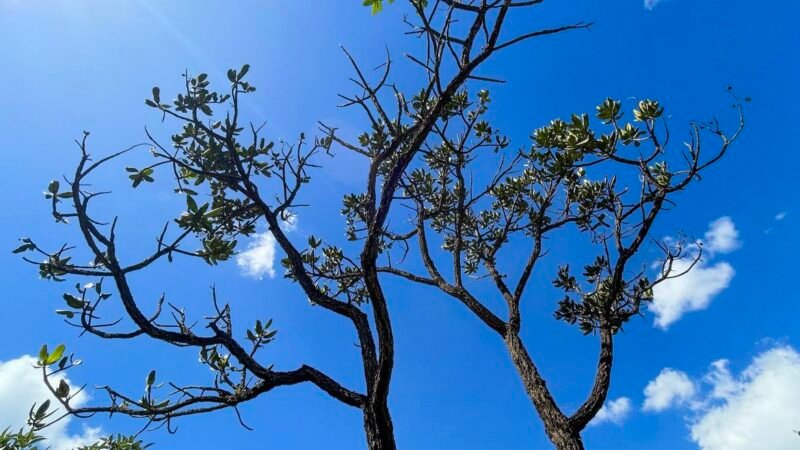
(157, 95)
(216, 212)
(243, 71)
(151, 378)
(42, 410)
(191, 204)
(66, 313)
(24, 248)
(73, 302)
(56, 355)
(377, 5)
(63, 389)
(185, 191)
(43, 354)
(53, 187)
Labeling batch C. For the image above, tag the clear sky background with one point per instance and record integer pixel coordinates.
(720, 372)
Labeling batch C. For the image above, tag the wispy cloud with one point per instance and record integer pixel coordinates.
(694, 290)
(258, 260)
(614, 411)
(21, 386)
(778, 218)
(756, 409)
(650, 4)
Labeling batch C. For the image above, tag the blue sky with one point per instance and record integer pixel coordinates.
(87, 65)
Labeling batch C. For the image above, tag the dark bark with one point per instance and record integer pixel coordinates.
(571, 441)
(602, 381)
(377, 420)
(556, 424)
(378, 427)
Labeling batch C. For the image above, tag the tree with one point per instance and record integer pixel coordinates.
(30, 440)
(537, 192)
(419, 147)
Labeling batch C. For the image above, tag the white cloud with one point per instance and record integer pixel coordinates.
(614, 411)
(693, 291)
(758, 409)
(722, 236)
(670, 388)
(259, 258)
(21, 386)
(721, 380)
(650, 4)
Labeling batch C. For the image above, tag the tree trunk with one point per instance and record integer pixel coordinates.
(568, 441)
(378, 426)
(556, 424)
